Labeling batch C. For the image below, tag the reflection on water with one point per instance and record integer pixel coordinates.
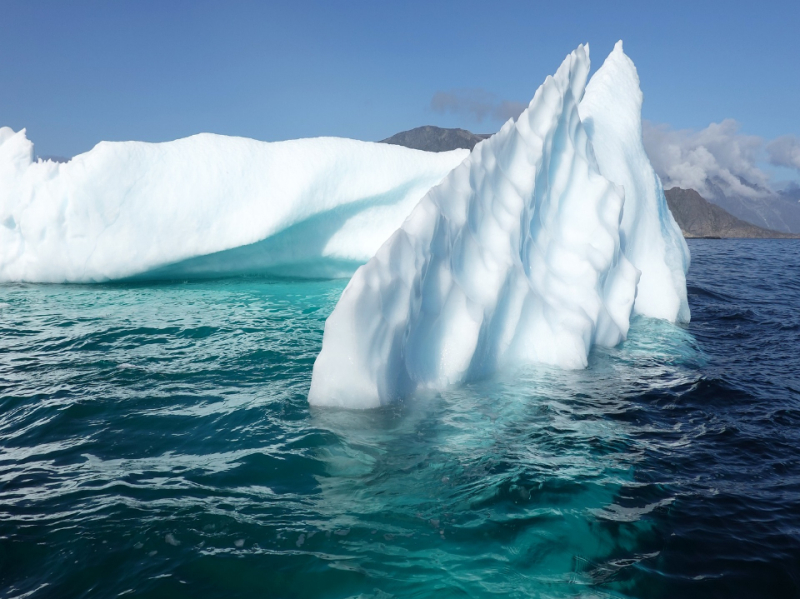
(156, 440)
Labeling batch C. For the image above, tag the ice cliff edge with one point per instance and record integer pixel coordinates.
(531, 250)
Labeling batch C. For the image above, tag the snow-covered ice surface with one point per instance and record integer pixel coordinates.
(522, 254)
(205, 205)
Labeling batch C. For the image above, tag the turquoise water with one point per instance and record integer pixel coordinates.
(155, 441)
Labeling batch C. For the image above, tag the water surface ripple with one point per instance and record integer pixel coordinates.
(155, 441)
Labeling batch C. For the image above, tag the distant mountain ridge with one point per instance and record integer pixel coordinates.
(696, 217)
(779, 211)
(436, 139)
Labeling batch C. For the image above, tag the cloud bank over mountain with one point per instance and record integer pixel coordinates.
(718, 160)
(727, 167)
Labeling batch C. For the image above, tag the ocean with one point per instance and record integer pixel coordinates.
(156, 441)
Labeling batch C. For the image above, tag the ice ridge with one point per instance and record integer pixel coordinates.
(611, 112)
(523, 254)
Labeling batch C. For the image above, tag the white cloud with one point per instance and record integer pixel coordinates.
(476, 103)
(785, 151)
(717, 158)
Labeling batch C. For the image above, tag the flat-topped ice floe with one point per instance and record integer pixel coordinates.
(205, 205)
(529, 251)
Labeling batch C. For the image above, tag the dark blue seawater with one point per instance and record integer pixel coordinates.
(155, 441)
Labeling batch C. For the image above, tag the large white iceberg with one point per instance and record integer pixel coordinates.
(205, 205)
(529, 251)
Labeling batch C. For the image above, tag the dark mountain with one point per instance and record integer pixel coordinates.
(699, 218)
(436, 139)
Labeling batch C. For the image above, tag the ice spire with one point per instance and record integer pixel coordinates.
(514, 257)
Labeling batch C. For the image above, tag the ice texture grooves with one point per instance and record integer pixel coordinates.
(611, 111)
(518, 256)
(205, 205)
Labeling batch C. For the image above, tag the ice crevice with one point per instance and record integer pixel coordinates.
(540, 245)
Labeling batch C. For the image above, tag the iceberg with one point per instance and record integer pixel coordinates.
(206, 205)
(530, 251)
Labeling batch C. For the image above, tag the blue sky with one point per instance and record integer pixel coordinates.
(75, 73)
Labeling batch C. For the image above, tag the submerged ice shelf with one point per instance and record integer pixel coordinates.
(205, 205)
(531, 250)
